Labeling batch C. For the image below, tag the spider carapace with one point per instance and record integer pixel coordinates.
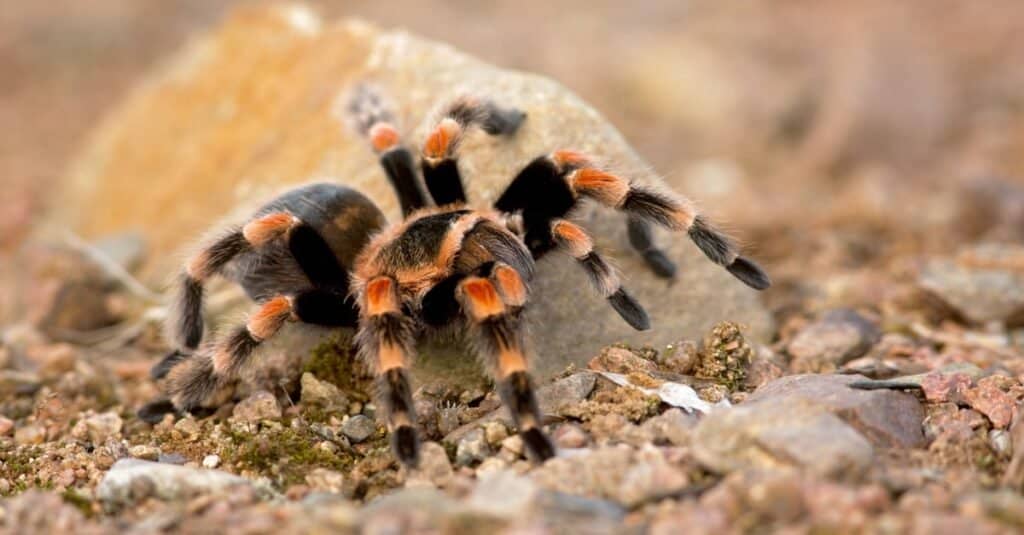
(324, 254)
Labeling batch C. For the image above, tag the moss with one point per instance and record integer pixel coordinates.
(335, 361)
(83, 504)
(285, 454)
(17, 462)
(725, 357)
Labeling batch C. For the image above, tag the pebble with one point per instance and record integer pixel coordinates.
(132, 480)
(1000, 441)
(211, 461)
(324, 480)
(434, 465)
(29, 435)
(988, 399)
(188, 428)
(495, 432)
(839, 336)
(620, 360)
(569, 435)
(472, 448)
(145, 452)
(982, 295)
(259, 406)
(6, 426)
(358, 428)
(322, 393)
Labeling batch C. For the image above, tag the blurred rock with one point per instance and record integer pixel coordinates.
(569, 435)
(98, 427)
(358, 428)
(214, 150)
(780, 434)
(321, 393)
(885, 417)
(516, 498)
(981, 283)
(260, 405)
(434, 464)
(472, 448)
(36, 511)
(566, 391)
(940, 387)
(6, 426)
(989, 400)
(144, 452)
(620, 360)
(133, 480)
(618, 473)
(839, 336)
(324, 480)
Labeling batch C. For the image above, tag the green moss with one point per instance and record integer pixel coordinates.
(285, 454)
(17, 462)
(335, 361)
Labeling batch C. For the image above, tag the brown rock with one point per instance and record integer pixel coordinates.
(254, 107)
(989, 400)
(887, 418)
(838, 337)
(261, 405)
(939, 387)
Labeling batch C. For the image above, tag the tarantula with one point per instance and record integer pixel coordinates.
(323, 254)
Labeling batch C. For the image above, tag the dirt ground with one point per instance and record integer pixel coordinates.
(868, 154)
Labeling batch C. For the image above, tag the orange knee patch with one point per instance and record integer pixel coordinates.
(269, 227)
(381, 296)
(573, 238)
(441, 141)
(481, 298)
(605, 187)
(511, 285)
(389, 357)
(269, 318)
(199, 267)
(569, 158)
(383, 137)
(511, 360)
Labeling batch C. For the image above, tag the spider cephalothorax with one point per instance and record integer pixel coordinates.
(322, 254)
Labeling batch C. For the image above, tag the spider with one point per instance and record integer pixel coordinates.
(323, 254)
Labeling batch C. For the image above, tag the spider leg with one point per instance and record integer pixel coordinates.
(550, 186)
(374, 121)
(440, 151)
(642, 240)
(385, 338)
(493, 308)
(605, 278)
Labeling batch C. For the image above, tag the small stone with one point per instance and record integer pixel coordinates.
(54, 360)
(567, 391)
(144, 452)
(839, 336)
(680, 357)
(29, 435)
(14, 383)
(6, 426)
(472, 448)
(358, 428)
(171, 458)
(620, 360)
(211, 461)
(321, 393)
(569, 436)
(98, 427)
(188, 427)
(940, 387)
(434, 464)
(999, 439)
(495, 432)
(513, 444)
(725, 357)
(649, 479)
(981, 294)
(671, 427)
(324, 480)
(130, 480)
(989, 400)
(490, 466)
(261, 405)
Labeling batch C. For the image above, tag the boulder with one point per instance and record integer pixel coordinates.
(257, 106)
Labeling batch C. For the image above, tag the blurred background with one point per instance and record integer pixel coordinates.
(896, 127)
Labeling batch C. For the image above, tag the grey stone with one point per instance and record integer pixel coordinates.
(358, 428)
(887, 418)
(131, 480)
(434, 464)
(981, 294)
(472, 448)
(321, 393)
(780, 434)
(260, 405)
(838, 337)
(98, 427)
(506, 495)
(237, 166)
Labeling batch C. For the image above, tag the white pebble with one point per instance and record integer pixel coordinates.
(211, 461)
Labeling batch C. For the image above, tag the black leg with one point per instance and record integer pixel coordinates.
(398, 164)
(642, 240)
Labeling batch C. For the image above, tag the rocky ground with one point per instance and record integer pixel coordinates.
(877, 387)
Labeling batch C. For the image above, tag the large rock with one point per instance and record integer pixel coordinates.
(257, 106)
(133, 480)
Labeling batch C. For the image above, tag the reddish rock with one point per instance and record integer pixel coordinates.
(941, 387)
(989, 400)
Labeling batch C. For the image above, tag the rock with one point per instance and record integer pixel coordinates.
(618, 473)
(321, 393)
(495, 432)
(14, 383)
(472, 448)
(509, 496)
(144, 452)
(887, 418)
(620, 360)
(434, 464)
(187, 428)
(976, 285)
(569, 435)
(780, 434)
(940, 387)
(252, 136)
(131, 480)
(358, 428)
(260, 405)
(999, 439)
(37, 511)
(6, 426)
(671, 427)
(948, 420)
(553, 398)
(29, 434)
(839, 336)
(98, 427)
(1014, 476)
(211, 461)
(324, 480)
(989, 400)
